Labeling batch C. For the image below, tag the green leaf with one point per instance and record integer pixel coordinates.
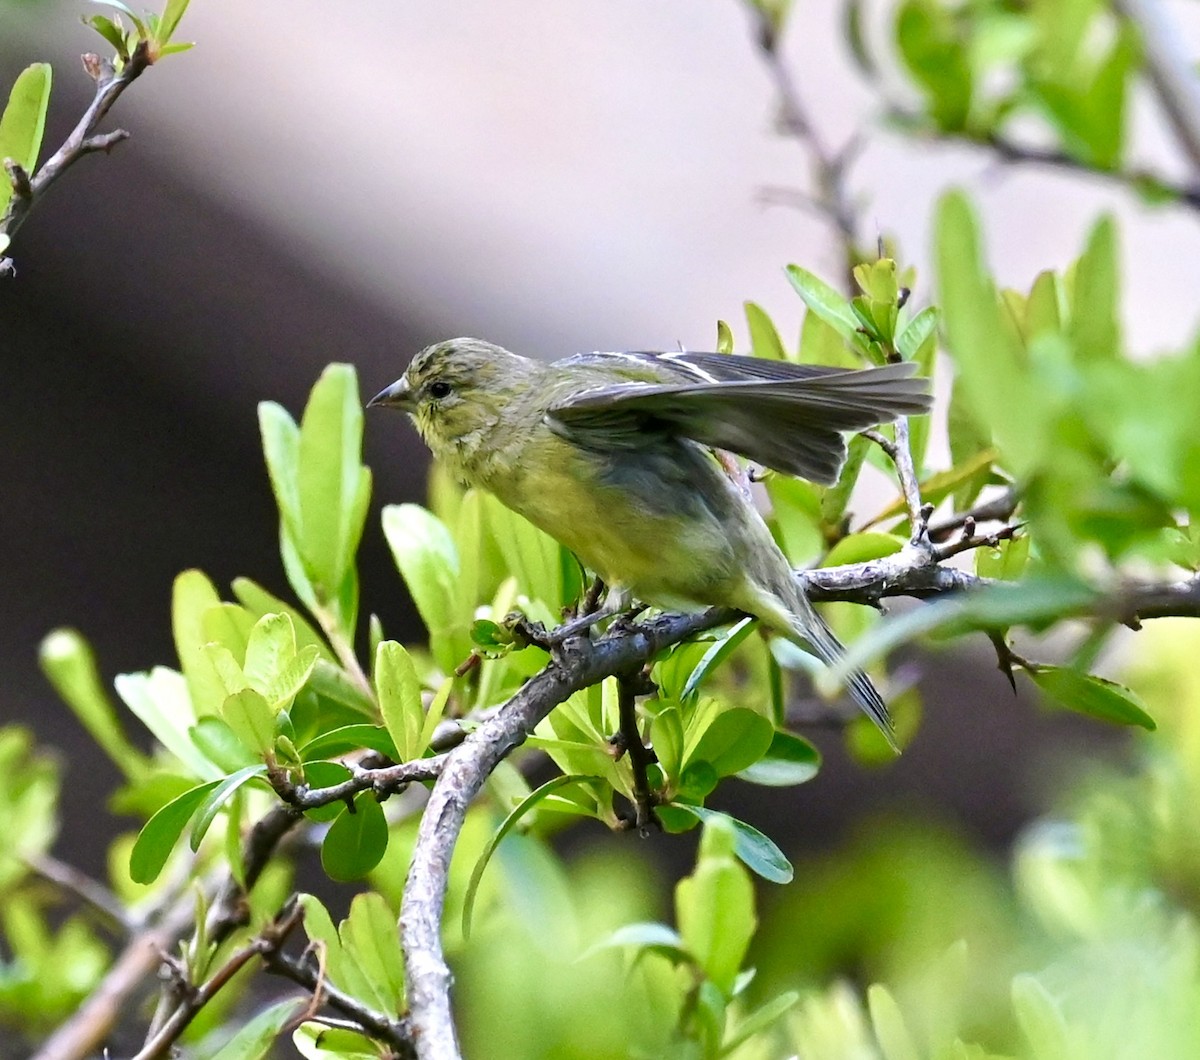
(666, 733)
(433, 717)
(332, 684)
(735, 740)
(858, 548)
(1095, 329)
(837, 497)
(281, 448)
(160, 700)
(714, 907)
(997, 386)
(724, 338)
(796, 518)
(399, 692)
(427, 559)
(820, 343)
(23, 123)
(761, 1019)
(169, 21)
(255, 1038)
(894, 1037)
(269, 648)
(647, 937)
(764, 339)
(356, 841)
(370, 938)
(529, 554)
(69, 664)
(332, 485)
(523, 807)
(318, 1041)
(789, 760)
(157, 839)
(282, 691)
(1040, 1017)
(250, 716)
(757, 851)
(342, 969)
(877, 280)
(1006, 562)
(348, 738)
(827, 303)
(721, 649)
(1091, 695)
(220, 745)
(111, 32)
(217, 798)
(931, 47)
(229, 626)
(192, 596)
(967, 439)
(918, 331)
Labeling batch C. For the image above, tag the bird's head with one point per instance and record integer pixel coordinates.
(456, 389)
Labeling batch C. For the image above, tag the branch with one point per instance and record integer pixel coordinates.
(997, 509)
(629, 741)
(900, 453)
(830, 200)
(88, 1027)
(71, 880)
(195, 998)
(1169, 70)
(383, 781)
(1013, 152)
(578, 663)
(85, 1032)
(83, 140)
(395, 1032)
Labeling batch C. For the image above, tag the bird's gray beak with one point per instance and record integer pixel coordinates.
(396, 396)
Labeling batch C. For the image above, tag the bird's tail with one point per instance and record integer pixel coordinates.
(812, 632)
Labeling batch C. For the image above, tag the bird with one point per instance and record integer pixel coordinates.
(618, 457)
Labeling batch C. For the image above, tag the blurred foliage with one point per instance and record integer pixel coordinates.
(1087, 949)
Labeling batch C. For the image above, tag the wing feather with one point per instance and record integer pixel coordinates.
(784, 416)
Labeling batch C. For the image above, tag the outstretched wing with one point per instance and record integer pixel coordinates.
(785, 416)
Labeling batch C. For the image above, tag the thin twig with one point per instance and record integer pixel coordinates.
(90, 1025)
(83, 139)
(82, 886)
(969, 540)
(629, 741)
(384, 1028)
(830, 199)
(194, 999)
(995, 509)
(383, 781)
(900, 453)
(1013, 152)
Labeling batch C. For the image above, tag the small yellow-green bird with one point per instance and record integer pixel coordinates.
(612, 454)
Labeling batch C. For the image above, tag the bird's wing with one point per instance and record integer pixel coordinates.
(784, 416)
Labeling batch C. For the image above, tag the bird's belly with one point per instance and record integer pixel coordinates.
(673, 554)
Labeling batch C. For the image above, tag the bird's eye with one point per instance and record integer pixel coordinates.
(439, 388)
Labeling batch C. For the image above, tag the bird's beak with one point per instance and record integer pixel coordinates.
(397, 396)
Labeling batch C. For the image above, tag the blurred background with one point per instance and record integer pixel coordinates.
(349, 182)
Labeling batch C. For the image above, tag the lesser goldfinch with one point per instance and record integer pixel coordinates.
(612, 454)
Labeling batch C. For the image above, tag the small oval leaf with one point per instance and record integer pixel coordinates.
(356, 841)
